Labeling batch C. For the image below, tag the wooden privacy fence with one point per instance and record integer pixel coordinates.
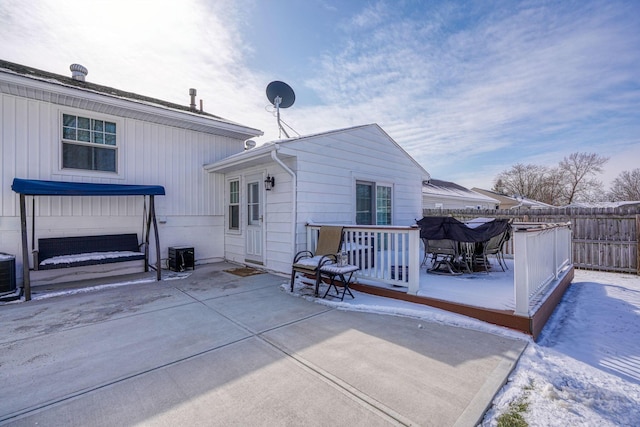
(604, 239)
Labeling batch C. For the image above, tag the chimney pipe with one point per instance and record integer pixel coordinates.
(192, 94)
(78, 72)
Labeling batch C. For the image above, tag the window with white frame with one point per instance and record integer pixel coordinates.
(89, 144)
(373, 203)
(383, 205)
(234, 205)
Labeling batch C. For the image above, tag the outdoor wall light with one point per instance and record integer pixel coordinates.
(269, 183)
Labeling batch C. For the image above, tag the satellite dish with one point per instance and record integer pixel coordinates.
(280, 94)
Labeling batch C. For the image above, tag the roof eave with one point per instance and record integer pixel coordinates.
(76, 97)
(253, 157)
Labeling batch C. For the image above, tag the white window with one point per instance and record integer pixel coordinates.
(373, 203)
(234, 205)
(383, 205)
(89, 144)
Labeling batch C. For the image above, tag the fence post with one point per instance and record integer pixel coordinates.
(638, 244)
(414, 261)
(520, 273)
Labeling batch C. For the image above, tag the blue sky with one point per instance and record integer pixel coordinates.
(468, 88)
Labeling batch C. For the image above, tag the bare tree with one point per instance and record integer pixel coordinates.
(626, 186)
(553, 186)
(579, 171)
(572, 180)
(522, 180)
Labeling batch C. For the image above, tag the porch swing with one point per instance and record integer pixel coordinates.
(119, 247)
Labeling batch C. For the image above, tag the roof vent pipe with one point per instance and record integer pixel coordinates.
(192, 94)
(78, 72)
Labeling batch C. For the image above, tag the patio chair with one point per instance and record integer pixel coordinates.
(444, 254)
(494, 246)
(307, 262)
(425, 258)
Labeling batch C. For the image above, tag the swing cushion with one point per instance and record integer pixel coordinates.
(62, 252)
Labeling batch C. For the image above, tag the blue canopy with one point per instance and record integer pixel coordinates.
(34, 187)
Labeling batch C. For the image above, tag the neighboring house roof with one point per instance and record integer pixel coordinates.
(447, 189)
(508, 202)
(262, 154)
(63, 90)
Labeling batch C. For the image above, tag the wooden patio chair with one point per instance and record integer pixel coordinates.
(306, 262)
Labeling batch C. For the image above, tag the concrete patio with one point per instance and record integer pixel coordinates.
(214, 348)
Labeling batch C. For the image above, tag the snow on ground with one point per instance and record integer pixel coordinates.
(585, 368)
(583, 371)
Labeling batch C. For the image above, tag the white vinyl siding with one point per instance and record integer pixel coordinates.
(192, 212)
(329, 165)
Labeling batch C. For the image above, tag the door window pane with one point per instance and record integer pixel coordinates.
(253, 204)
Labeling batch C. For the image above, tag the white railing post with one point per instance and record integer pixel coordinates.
(520, 273)
(414, 261)
(556, 264)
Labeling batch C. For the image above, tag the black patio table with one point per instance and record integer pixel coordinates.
(470, 239)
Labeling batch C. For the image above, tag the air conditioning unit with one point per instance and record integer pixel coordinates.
(7, 273)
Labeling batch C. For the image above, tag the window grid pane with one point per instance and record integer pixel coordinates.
(364, 203)
(234, 205)
(93, 134)
(383, 205)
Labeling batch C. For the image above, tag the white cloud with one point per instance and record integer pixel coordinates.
(522, 81)
(467, 89)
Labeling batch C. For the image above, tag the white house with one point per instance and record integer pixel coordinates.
(61, 128)
(358, 175)
(439, 194)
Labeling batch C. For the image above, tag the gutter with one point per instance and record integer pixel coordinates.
(294, 200)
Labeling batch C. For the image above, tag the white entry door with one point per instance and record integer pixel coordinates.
(254, 246)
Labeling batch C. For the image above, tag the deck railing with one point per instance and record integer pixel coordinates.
(541, 253)
(391, 255)
(386, 254)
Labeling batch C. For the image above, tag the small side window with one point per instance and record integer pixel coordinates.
(234, 205)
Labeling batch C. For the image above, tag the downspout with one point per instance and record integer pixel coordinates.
(294, 201)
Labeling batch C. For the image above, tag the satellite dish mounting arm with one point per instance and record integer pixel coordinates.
(277, 102)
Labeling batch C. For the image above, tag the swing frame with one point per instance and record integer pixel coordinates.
(58, 188)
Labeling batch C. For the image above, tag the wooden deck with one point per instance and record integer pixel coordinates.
(507, 318)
